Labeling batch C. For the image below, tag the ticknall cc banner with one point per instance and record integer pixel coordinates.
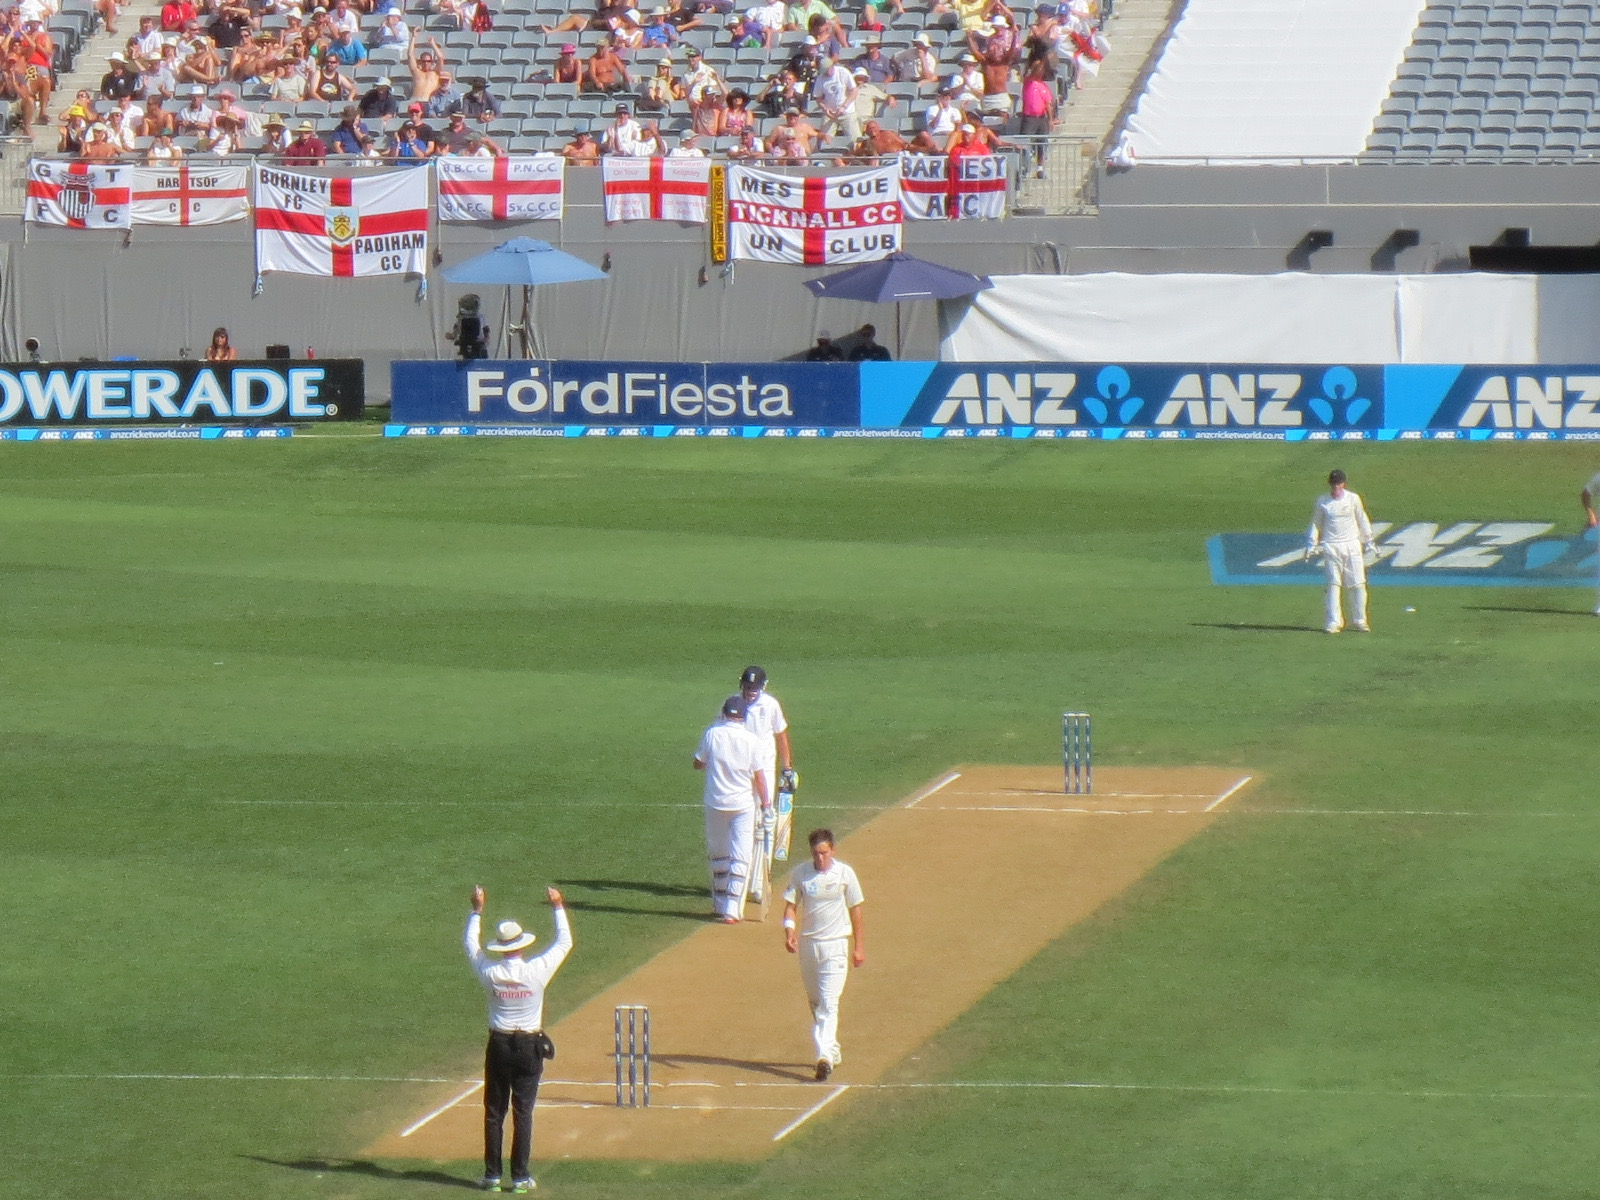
(850, 218)
(313, 225)
(79, 195)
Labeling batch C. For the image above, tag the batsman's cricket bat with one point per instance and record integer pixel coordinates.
(784, 829)
(760, 890)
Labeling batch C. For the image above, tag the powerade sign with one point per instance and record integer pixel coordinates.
(578, 393)
(1421, 554)
(183, 391)
(1015, 400)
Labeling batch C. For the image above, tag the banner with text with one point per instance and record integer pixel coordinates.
(656, 189)
(187, 193)
(849, 218)
(508, 187)
(79, 195)
(317, 225)
(186, 391)
(934, 187)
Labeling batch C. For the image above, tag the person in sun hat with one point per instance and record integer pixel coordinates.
(518, 1045)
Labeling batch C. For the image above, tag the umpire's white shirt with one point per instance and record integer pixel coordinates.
(824, 899)
(731, 756)
(516, 985)
(764, 718)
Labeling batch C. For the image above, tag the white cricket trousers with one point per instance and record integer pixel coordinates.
(729, 834)
(824, 966)
(1344, 565)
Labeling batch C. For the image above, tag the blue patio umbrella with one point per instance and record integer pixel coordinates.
(524, 262)
(898, 278)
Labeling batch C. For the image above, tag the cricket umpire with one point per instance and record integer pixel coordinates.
(518, 1045)
(730, 756)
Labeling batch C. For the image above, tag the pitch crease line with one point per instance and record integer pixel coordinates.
(1217, 803)
(440, 1111)
(926, 792)
(811, 1112)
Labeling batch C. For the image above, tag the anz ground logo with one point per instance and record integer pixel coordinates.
(1252, 400)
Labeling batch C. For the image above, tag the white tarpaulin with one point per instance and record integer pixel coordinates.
(1288, 318)
(186, 193)
(849, 218)
(1283, 79)
(508, 187)
(315, 225)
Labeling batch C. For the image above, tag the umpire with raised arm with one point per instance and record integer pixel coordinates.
(518, 1044)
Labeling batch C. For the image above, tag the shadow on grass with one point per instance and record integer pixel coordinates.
(358, 1166)
(629, 885)
(1546, 612)
(799, 1072)
(1239, 627)
(677, 914)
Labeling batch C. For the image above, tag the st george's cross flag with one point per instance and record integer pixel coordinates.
(79, 195)
(515, 187)
(656, 189)
(934, 187)
(849, 218)
(189, 194)
(313, 225)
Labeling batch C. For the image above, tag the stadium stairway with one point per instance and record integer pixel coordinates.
(1136, 31)
(88, 69)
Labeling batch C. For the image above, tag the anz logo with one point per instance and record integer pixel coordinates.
(1251, 400)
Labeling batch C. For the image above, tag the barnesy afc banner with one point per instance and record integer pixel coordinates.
(185, 391)
(316, 225)
(1018, 399)
(848, 218)
(935, 188)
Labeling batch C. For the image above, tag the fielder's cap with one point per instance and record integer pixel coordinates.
(734, 707)
(512, 937)
(754, 677)
(693, 52)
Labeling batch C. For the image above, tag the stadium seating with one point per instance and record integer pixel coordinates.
(1502, 81)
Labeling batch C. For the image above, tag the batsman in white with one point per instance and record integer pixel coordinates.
(1591, 492)
(822, 923)
(518, 1046)
(730, 756)
(1341, 533)
(763, 716)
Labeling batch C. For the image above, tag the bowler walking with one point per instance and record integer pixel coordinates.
(518, 1045)
(822, 923)
(1341, 533)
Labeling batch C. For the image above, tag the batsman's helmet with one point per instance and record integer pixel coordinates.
(734, 707)
(753, 677)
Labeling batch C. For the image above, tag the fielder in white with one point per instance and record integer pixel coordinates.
(730, 756)
(1591, 492)
(1341, 533)
(763, 716)
(822, 923)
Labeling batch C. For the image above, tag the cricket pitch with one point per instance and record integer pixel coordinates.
(945, 922)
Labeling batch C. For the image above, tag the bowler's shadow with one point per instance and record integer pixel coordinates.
(1518, 608)
(1241, 627)
(798, 1072)
(357, 1166)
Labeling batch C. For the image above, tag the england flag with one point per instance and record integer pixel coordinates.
(79, 195)
(313, 225)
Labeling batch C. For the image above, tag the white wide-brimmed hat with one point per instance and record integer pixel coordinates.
(513, 937)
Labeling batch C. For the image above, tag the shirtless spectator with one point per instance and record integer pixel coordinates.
(877, 143)
(201, 65)
(582, 150)
(800, 131)
(606, 71)
(996, 103)
(99, 146)
(785, 147)
(14, 87)
(599, 19)
(157, 120)
(568, 68)
(425, 67)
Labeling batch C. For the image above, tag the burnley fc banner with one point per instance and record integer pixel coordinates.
(850, 218)
(936, 188)
(508, 187)
(314, 225)
(79, 195)
(189, 194)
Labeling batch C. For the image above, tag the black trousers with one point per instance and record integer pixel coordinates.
(511, 1069)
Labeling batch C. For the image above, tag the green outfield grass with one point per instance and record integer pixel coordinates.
(270, 710)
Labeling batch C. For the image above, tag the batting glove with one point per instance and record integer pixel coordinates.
(789, 780)
(1371, 547)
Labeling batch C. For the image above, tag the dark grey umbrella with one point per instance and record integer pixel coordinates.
(898, 278)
